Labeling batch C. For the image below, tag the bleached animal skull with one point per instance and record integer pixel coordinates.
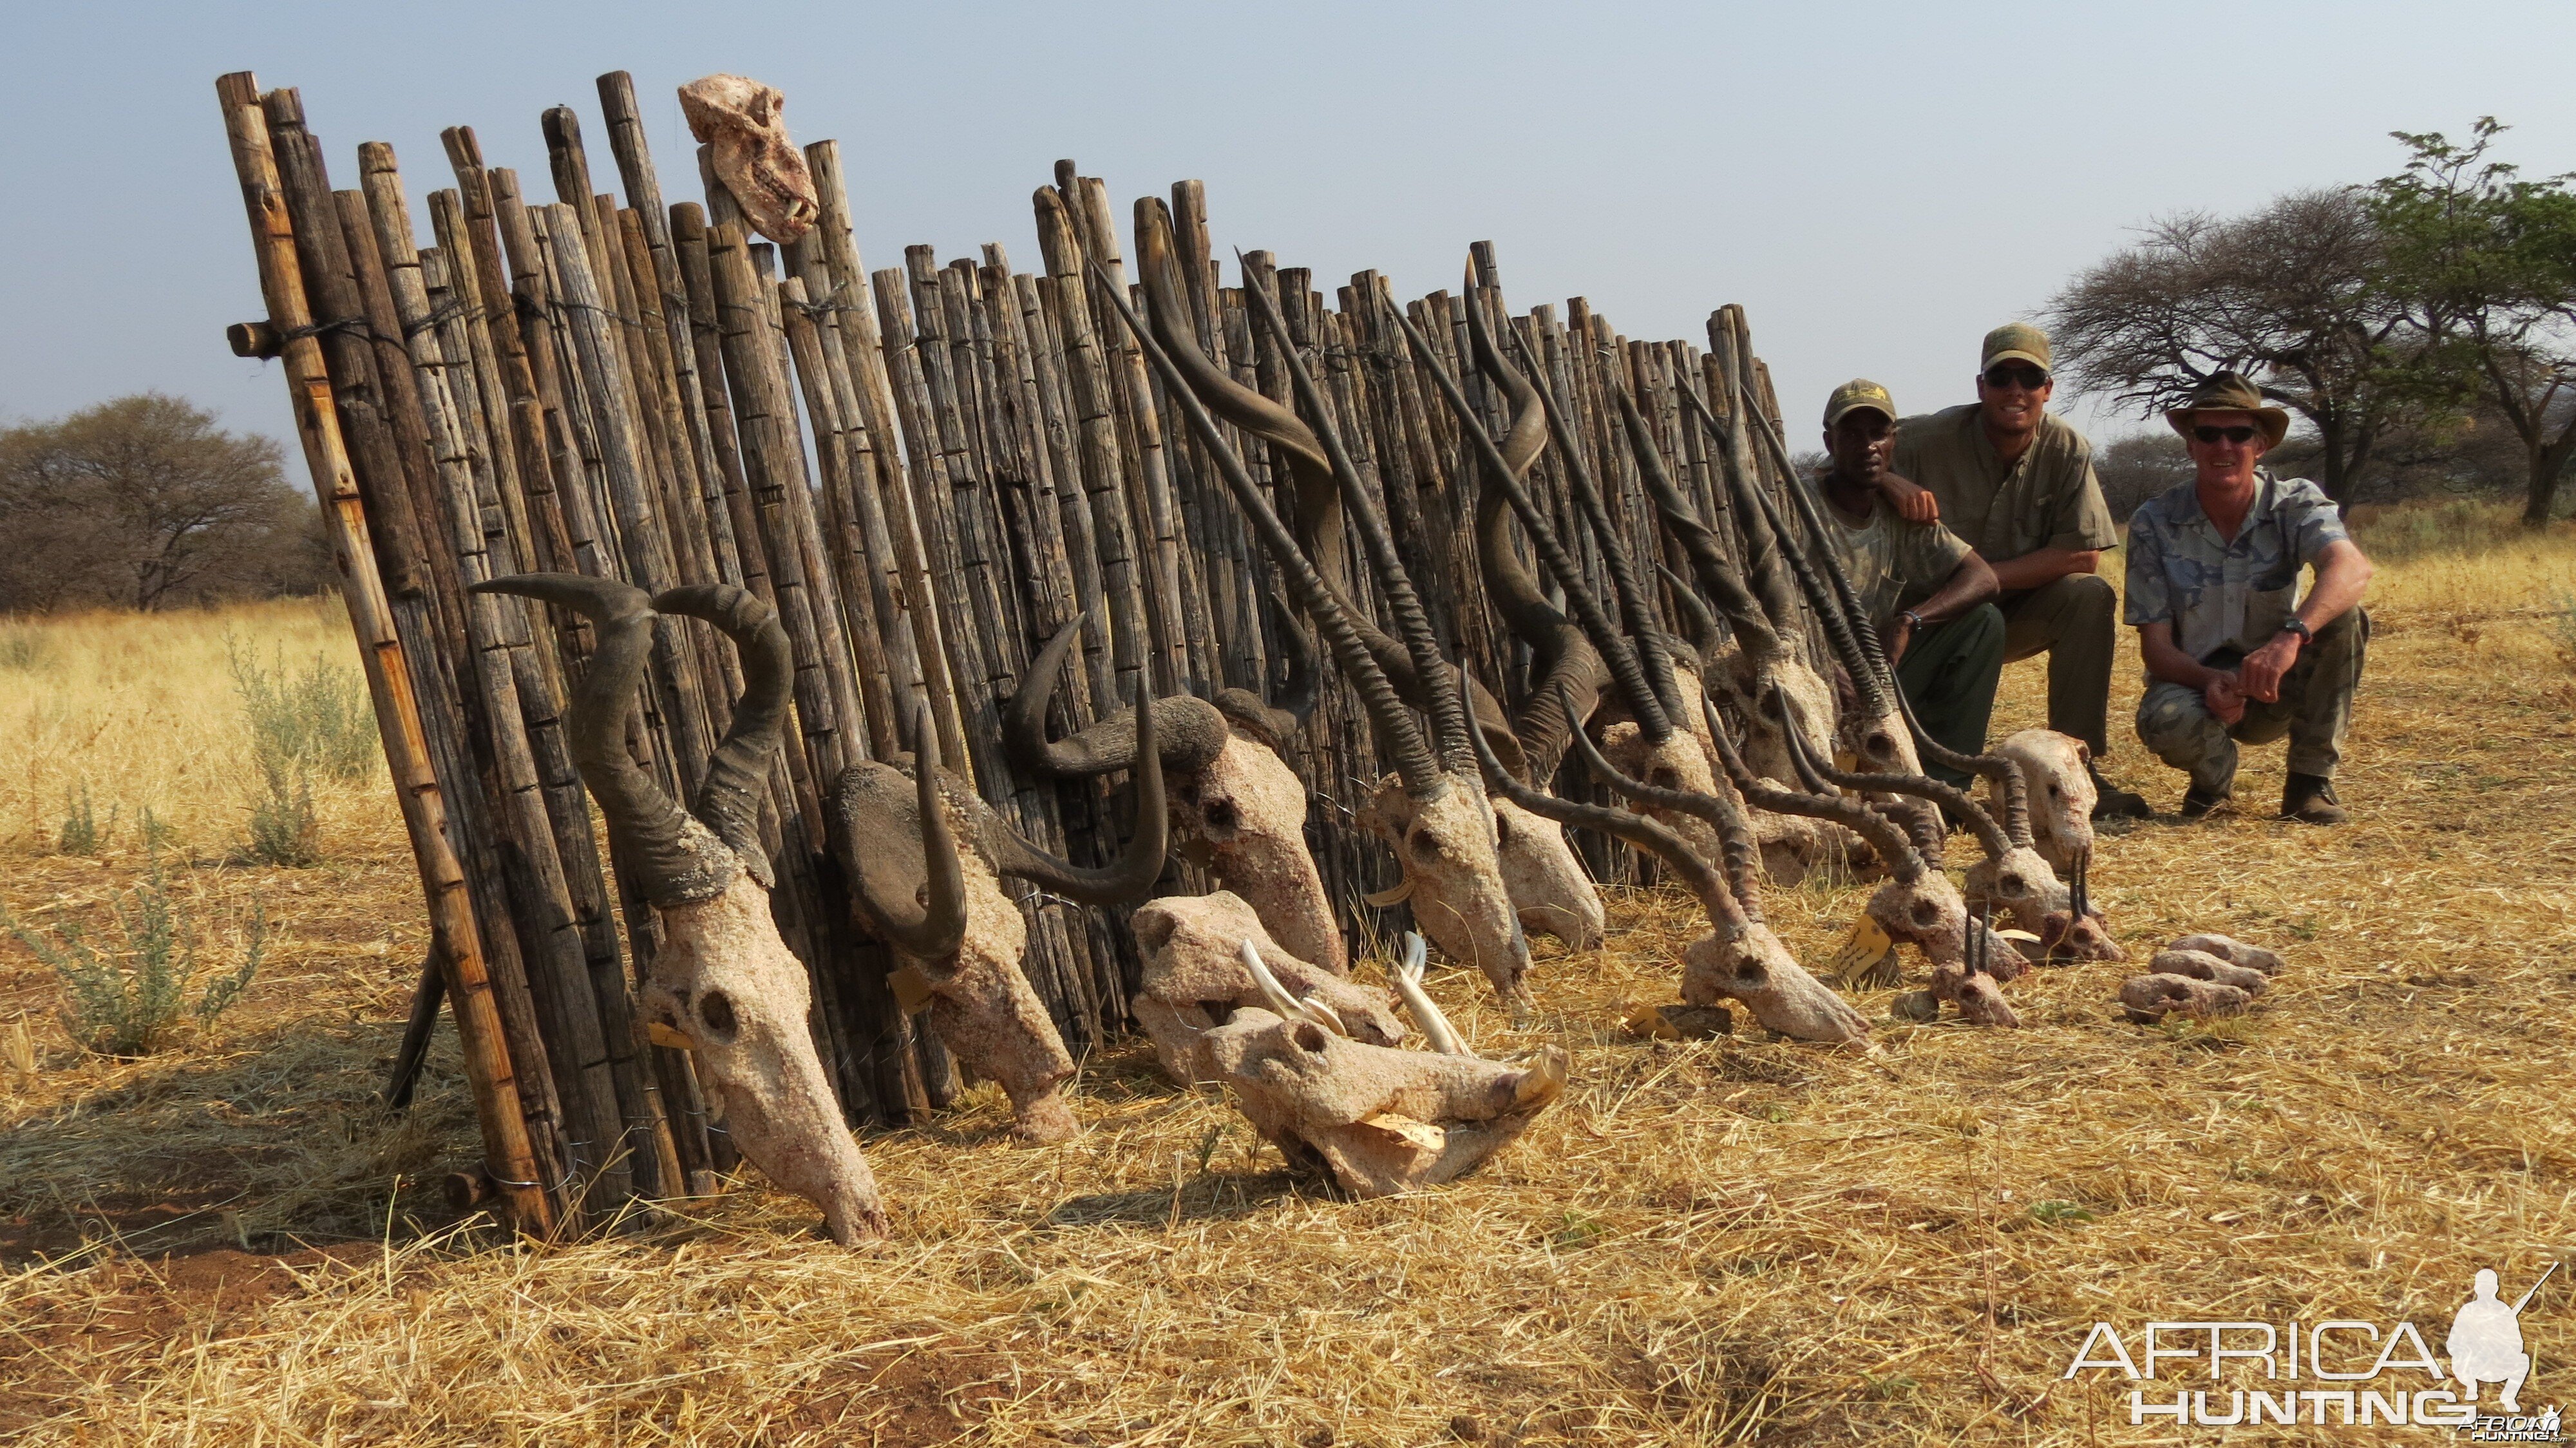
(943, 911)
(723, 977)
(2061, 793)
(767, 175)
(1236, 807)
(2151, 997)
(1380, 1120)
(1195, 978)
(1448, 846)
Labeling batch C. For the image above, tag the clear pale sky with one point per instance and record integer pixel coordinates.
(1877, 184)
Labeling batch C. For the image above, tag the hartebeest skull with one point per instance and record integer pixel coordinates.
(943, 911)
(1236, 807)
(722, 978)
(740, 119)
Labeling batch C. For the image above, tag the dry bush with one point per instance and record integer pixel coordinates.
(1725, 1241)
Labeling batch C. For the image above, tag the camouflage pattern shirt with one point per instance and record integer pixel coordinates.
(2221, 593)
(1892, 563)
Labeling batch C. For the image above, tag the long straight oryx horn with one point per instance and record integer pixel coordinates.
(1388, 718)
(1407, 976)
(676, 858)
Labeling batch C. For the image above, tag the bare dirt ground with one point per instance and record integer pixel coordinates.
(1727, 1241)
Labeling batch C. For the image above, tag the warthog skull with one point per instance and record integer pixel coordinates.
(943, 911)
(1195, 978)
(740, 118)
(722, 977)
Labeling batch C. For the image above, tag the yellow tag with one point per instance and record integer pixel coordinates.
(1846, 761)
(912, 989)
(1865, 947)
(662, 1035)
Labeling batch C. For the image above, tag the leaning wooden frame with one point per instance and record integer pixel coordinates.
(927, 473)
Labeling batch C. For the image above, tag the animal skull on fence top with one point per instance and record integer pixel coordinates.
(739, 117)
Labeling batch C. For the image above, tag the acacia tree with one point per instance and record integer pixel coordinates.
(2489, 261)
(2295, 296)
(144, 501)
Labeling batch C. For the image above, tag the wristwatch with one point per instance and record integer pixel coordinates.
(1915, 620)
(2295, 625)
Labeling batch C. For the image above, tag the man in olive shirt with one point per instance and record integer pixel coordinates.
(1924, 589)
(2017, 483)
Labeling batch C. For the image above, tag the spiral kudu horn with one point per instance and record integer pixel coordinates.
(675, 857)
(1388, 718)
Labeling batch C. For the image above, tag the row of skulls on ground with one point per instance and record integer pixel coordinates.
(1722, 744)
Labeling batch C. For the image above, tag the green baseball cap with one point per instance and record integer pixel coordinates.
(2017, 342)
(1859, 392)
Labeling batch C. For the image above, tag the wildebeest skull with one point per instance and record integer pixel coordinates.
(943, 911)
(740, 118)
(723, 977)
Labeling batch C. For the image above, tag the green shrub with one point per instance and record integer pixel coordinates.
(23, 649)
(81, 831)
(284, 830)
(124, 998)
(319, 718)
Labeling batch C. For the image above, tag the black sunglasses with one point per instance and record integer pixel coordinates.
(2232, 434)
(2023, 376)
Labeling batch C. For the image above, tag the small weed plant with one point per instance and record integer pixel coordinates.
(23, 650)
(81, 831)
(128, 996)
(303, 723)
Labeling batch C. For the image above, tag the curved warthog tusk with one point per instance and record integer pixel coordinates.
(1436, 1029)
(1324, 1015)
(1394, 895)
(1288, 1007)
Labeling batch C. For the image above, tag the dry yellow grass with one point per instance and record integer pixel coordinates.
(1717, 1242)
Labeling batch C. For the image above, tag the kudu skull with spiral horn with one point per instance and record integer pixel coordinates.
(1431, 810)
(722, 977)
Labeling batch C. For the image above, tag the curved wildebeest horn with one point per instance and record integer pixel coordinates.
(1278, 718)
(1697, 874)
(1636, 605)
(935, 928)
(1192, 731)
(1139, 867)
(1717, 572)
(1449, 722)
(729, 798)
(1613, 645)
(676, 858)
(2006, 774)
(1388, 718)
(1735, 836)
(1884, 835)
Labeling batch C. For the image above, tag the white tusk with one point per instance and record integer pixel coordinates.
(1324, 1015)
(1408, 984)
(1288, 1007)
(1394, 896)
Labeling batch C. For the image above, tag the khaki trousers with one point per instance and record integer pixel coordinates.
(2071, 620)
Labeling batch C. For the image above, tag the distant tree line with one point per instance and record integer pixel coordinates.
(143, 502)
(2423, 326)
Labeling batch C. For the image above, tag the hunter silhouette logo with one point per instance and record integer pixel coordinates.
(2361, 1374)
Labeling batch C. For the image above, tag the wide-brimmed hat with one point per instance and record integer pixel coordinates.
(2230, 392)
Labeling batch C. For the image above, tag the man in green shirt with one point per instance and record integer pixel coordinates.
(2017, 483)
(1926, 591)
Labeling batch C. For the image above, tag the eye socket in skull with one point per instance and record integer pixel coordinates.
(1662, 777)
(2013, 886)
(1424, 845)
(1309, 1037)
(1925, 913)
(717, 1012)
(1220, 816)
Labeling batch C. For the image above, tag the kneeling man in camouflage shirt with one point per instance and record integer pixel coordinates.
(2231, 654)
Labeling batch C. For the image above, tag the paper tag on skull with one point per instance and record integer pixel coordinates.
(662, 1035)
(912, 989)
(1867, 945)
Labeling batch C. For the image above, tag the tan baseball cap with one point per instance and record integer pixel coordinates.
(2017, 342)
(1859, 392)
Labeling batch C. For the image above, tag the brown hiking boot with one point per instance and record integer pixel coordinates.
(2310, 799)
(2198, 803)
(2110, 802)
